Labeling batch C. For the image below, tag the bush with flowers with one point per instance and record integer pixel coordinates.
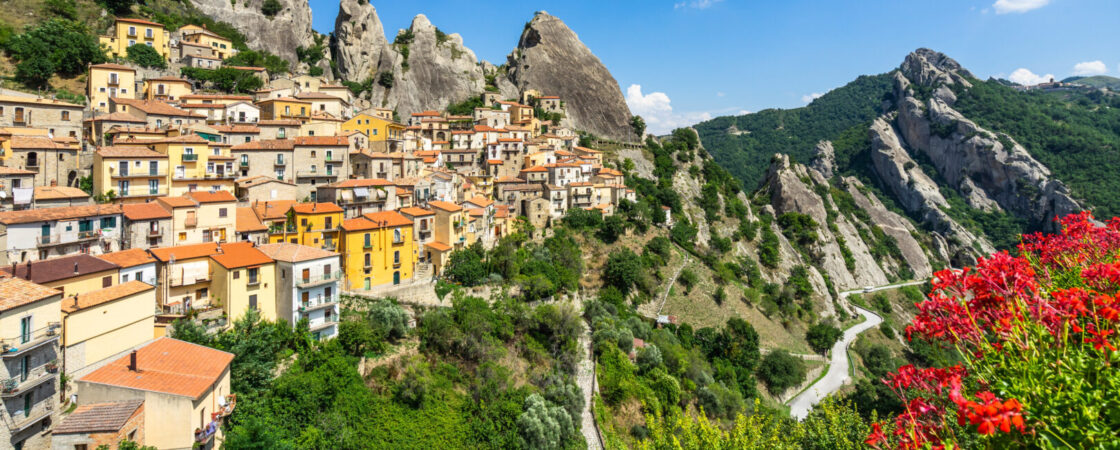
(1037, 336)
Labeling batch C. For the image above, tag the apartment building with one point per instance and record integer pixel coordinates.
(57, 117)
(29, 335)
(307, 287)
(36, 234)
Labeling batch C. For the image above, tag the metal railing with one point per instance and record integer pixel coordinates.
(57, 238)
(141, 174)
(318, 303)
(23, 342)
(319, 279)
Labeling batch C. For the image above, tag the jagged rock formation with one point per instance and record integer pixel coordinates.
(990, 172)
(280, 34)
(824, 160)
(439, 71)
(550, 58)
(359, 40)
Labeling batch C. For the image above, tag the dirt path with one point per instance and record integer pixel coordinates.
(585, 379)
(668, 287)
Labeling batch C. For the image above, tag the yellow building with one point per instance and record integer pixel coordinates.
(134, 174)
(285, 108)
(378, 249)
(184, 276)
(316, 225)
(166, 89)
(109, 80)
(383, 135)
(196, 164)
(184, 388)
(69, 274)
(101, 324)
(244, 278)
(127, 32)
(222, 47)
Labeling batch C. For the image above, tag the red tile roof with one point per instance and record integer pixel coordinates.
(212, 197)
(388, 219)
(61, 268)
(416, 212)
(128, 258)
(181, 252)
(316, 208)
(289, 252)
(169, 366)
(240, 254)
(170, 203)
(128, 152)
(273, 210)
(98, 417)
(247, 221)
(53, 214)
(337, 141)
(16, 292)
(438, 246)
(145, 211)
(446, 206)
(267, 144)
(99, 297)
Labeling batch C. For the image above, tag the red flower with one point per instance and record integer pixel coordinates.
(876, 437)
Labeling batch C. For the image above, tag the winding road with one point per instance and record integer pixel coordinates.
(838, 365)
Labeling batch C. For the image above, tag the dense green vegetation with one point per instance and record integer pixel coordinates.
(1074, 133)
(1098, 81)
(274, 64)
(791, 131)
(145, 56)
(541, 270)
(225, 79)
(57, 46)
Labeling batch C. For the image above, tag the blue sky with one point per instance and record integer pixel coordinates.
(682, 61)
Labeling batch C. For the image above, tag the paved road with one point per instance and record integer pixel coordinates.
(837, 374)
(585, 378)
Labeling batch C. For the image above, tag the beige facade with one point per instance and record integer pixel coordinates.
(58, 118)
(273, 158)
(53, 163)
(106, 81)
(101, 324)
(319, 160)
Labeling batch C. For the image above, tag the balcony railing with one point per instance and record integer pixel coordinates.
(24, 342)
(311, 281)
(141, 174)
(59, 239)
(157, 231)
(190, 157)
(244, 163)
(280, 162)
(318, 303)
(183, 279)
(314, 173)
(14, 386)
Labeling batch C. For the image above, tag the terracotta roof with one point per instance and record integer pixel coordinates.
(169, 79)
(362, 182)
(481, 201)
(167, 365)
(212, 197)
(98, 417)
(128, 152)
(128, 258)
(181, 252)
(317, 95)
(182, 139)
(112, 66)
(267, 144)
(509, 180)
(284, 99)
(154, 107)
(145, 211)
(445, 206)
(16, 292)
(322, 140)
(35, 143)
(494, 162)
(476, 212)
(51, 214)
(249, 68)
(36, 101)
(416, 211)
(171, 203)
(273, 210)
(106, 295)
(140, 21)
(388, 219)
(292, 122)
(535, 169)
(428, 113)
(258, 180)
(247, 221)
(61, 268)
(240, 254)
(289, 252)
(237, 128)
(117, 117)
(438, 246)
(203, 105)
(58, 192)
(316, 208)
(14, 171)
(357, 224)
(216, 97)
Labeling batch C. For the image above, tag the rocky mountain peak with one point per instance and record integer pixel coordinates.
(279, 34)
(551, 58)
(931, 68)
(359, 39)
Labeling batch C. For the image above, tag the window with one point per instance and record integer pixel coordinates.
(367, 261)
(237, 274)
(124, 278)
(367, 243)
(108, 222)
(66, 115)
(253, 276)
(149, 34)
(131, 32)
(25, 330)
(253, 302)
(106, 281)
(397, 236)
(327, 270)
(397, 258)
(182, 236)
(222, 212)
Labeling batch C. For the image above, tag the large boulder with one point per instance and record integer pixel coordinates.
(280, 34)
(359, 42)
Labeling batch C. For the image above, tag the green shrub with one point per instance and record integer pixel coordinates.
(622, 270)
(271, 7)
(145, 56)
(780, 371)
(822, 336)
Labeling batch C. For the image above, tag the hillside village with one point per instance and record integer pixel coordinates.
(205, 205)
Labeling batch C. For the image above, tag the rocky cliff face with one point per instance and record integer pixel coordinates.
(439, 72)
(991, 171)
(550, 58)
(280, 34)
(359, 40)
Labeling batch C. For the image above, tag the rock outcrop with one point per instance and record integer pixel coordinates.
(359, 42)
(279, 34)
(990, 172)
(440, 71)
(550, 58)
(824, 159)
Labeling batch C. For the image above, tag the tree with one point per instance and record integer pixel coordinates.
(612, 227)
(190, 331)
(385, 79)
(649, 358)
(118, 7)
(145, 56)
(544, 425)
(638, 125)
(465, 267)
(822, 336)
(781, 371)
(271, 7)
(388, 319)
(55, 46)
(622, 270)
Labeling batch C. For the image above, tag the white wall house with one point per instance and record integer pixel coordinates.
(307, 286)
(35, 234)
(242, 112)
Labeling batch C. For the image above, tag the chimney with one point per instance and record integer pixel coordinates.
(54, 183)
(28, 270)
(132, 362)
(75, 301)
(75, 268)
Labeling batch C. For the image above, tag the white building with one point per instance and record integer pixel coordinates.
(35, 234)
(136, 265)
(242, 113)
(307, 284)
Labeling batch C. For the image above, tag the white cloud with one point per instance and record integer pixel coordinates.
(742, 112)
(657, 110)
(696, 4)
(1027, 78)
(810, 97)
(1090, 68)
(1018, 6)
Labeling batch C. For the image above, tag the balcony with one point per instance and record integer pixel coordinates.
(280, 162)
(141, 174)
(318, 303)
(324, 325)
(244, 164)
(19, 345)
(190, 157)
(187, 279)
(143, 193)
(59, 239)
(156, 232)
(13, 387)
(312, 281)
(315, 174)
(423, 235)
(191, 221)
